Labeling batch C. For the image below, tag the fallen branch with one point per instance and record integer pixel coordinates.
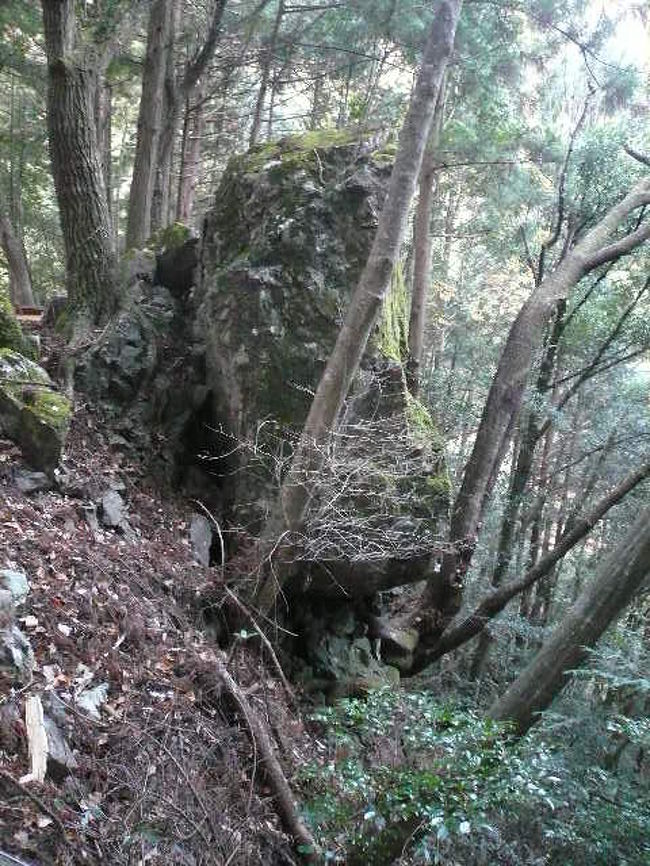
(266, 642)
(286, 805)
(45, 809)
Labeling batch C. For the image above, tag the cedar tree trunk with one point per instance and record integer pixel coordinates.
(422, 252)
(20, 282)
(76, 165)
(176, 94)
(267, 61)
(138, 227)
(190, 158)
(618, 580)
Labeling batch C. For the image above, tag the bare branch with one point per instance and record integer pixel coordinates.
(640, 157)
(496, 601)
(616, 250)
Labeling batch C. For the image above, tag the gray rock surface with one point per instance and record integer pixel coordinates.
(201, 538)
(16, 582)
(16, 654)
(32, 413)
(31, 482)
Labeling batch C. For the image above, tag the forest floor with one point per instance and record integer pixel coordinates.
(114, 614)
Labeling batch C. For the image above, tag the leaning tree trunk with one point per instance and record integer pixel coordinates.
(149, 123)
(373, 284)
(618, 580)
(422, 251)
(76, 165)
(493, 603)
(443, 594)
(20, 282)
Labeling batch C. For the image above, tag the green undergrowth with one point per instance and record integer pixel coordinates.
(169, 237)
(405, 776)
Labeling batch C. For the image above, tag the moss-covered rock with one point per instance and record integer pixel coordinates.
(11, 335)
(32, 413)
(282, 251)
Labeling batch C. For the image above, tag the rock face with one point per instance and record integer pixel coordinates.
(223, 362)
(282, 251)
(32, 413)
(121, 365)
(16, 655)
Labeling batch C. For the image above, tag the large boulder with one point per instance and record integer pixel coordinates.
(282, 251)
(32, 412)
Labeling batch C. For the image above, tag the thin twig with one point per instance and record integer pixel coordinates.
(266, 642)
(7, 777)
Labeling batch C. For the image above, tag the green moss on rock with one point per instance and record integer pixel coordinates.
(295, 150)
(32, 413)
(392, 334)
(11, 335)
(421, 424)
(169, 238)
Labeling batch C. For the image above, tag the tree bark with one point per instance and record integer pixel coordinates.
(76, 165)
(422, 251)
(618, 579)
(443, 595)
(373, 284)
(20, 282)
(162, 181)
(496, 601)
(268, 54)
(138, 227)
(176, 94)
(103, 124)
(190, 158)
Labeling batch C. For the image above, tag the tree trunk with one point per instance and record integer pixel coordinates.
(373, 284)
(496, 601)
(103, 124)
(20, 283)
(176, 94)
(268, 55)
(190, 158)
(443, 595)
(138, 227)
(526, 454)
(171, 109)
(422, 251)
(76, 166)
(618, 579)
